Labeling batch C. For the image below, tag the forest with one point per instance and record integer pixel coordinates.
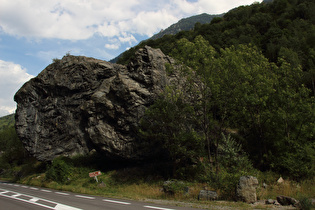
(257, 67)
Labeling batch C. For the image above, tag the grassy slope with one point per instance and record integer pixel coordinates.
(6, 121)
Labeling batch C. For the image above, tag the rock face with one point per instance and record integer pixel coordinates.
(207, 195)
(246, 189)
(78, 104)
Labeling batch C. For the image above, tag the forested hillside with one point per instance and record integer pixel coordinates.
(6, 122)
(283, 28)
(257, 64)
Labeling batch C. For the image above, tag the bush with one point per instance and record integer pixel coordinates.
(232, 163)
(59, 171)
(172, 187)
(306, 203)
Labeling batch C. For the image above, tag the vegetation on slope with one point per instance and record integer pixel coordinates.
(257, 64)
(6, 122)
(282, 28)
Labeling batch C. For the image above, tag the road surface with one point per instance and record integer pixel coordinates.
(22, 197)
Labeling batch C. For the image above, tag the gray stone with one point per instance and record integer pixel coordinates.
(78, 104)
(270, 201)
(246, 189)
(207, 195)
(287, 201)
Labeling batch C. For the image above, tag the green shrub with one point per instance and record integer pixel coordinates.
(232, 163)
(306, 203)
(172, 187)
(59, 171)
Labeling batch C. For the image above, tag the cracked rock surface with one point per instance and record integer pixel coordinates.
(79, 104)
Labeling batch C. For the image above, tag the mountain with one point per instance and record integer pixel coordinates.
(184, 24)
(267, 1)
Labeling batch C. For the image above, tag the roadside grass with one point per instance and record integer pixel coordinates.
(143, 182)
(304, 189)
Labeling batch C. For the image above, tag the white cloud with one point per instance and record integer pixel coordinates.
(12, 77)
(127, 38)
(112, 46)
(81, 19)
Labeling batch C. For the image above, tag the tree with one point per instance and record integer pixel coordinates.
(170, 122)
(270, 107)
(199, 56)
(12, 147)
(264, 104)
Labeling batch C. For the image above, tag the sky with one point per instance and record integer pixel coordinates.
(34, 32)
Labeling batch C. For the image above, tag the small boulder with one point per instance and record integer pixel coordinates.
(207, 195)
(287, 201)
(270, 201)
(246, 189)
(280, 180)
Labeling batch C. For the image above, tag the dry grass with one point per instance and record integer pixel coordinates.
(288, 188)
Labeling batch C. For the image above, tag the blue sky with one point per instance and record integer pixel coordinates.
(33, 32)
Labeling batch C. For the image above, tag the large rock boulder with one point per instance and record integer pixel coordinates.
(78, 104)
(246, 189)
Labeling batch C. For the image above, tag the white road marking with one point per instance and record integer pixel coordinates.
(64, 207)
(16, 185)
(46, 191)
(61, 193)
(33, 188)
(25, 186)
(119, 202)
(33, 200)
(82, 196)
(159, 208)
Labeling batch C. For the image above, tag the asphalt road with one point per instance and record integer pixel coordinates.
(22, 197)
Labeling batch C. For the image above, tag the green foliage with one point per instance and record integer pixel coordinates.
(232, 164)
(167, 123)
(232, 155)
(279, 28)
(266, 104)
(305, 203)
(174, 186)
(12, 149)
(59, 171)
(6, 122)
